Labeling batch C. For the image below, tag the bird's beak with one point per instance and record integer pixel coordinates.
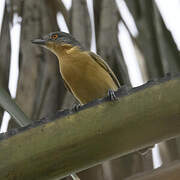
(39, 41)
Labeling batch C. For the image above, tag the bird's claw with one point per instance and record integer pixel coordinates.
(76, 107)
(112, 95)
(145, 151)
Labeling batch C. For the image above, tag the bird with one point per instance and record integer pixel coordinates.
(85, 74)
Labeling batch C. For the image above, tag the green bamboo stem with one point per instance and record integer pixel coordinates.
(10, 106)
(109, 130)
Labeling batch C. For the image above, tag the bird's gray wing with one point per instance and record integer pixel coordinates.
(67, 86)
(105, 66)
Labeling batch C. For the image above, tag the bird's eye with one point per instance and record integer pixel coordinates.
(54, 36)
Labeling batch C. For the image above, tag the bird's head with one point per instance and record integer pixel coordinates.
(58, 41)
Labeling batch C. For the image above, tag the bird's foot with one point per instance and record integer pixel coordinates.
(145, 151)
(112, 95)
(76, 107)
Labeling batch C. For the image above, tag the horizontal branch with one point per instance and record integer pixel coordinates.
(51, 148)
(170, 171)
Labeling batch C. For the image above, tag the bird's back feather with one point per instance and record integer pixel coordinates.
(103, 64)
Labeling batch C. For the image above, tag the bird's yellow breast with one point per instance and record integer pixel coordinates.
(86, 79)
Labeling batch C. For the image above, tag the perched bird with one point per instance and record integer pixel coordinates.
(86, 75)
